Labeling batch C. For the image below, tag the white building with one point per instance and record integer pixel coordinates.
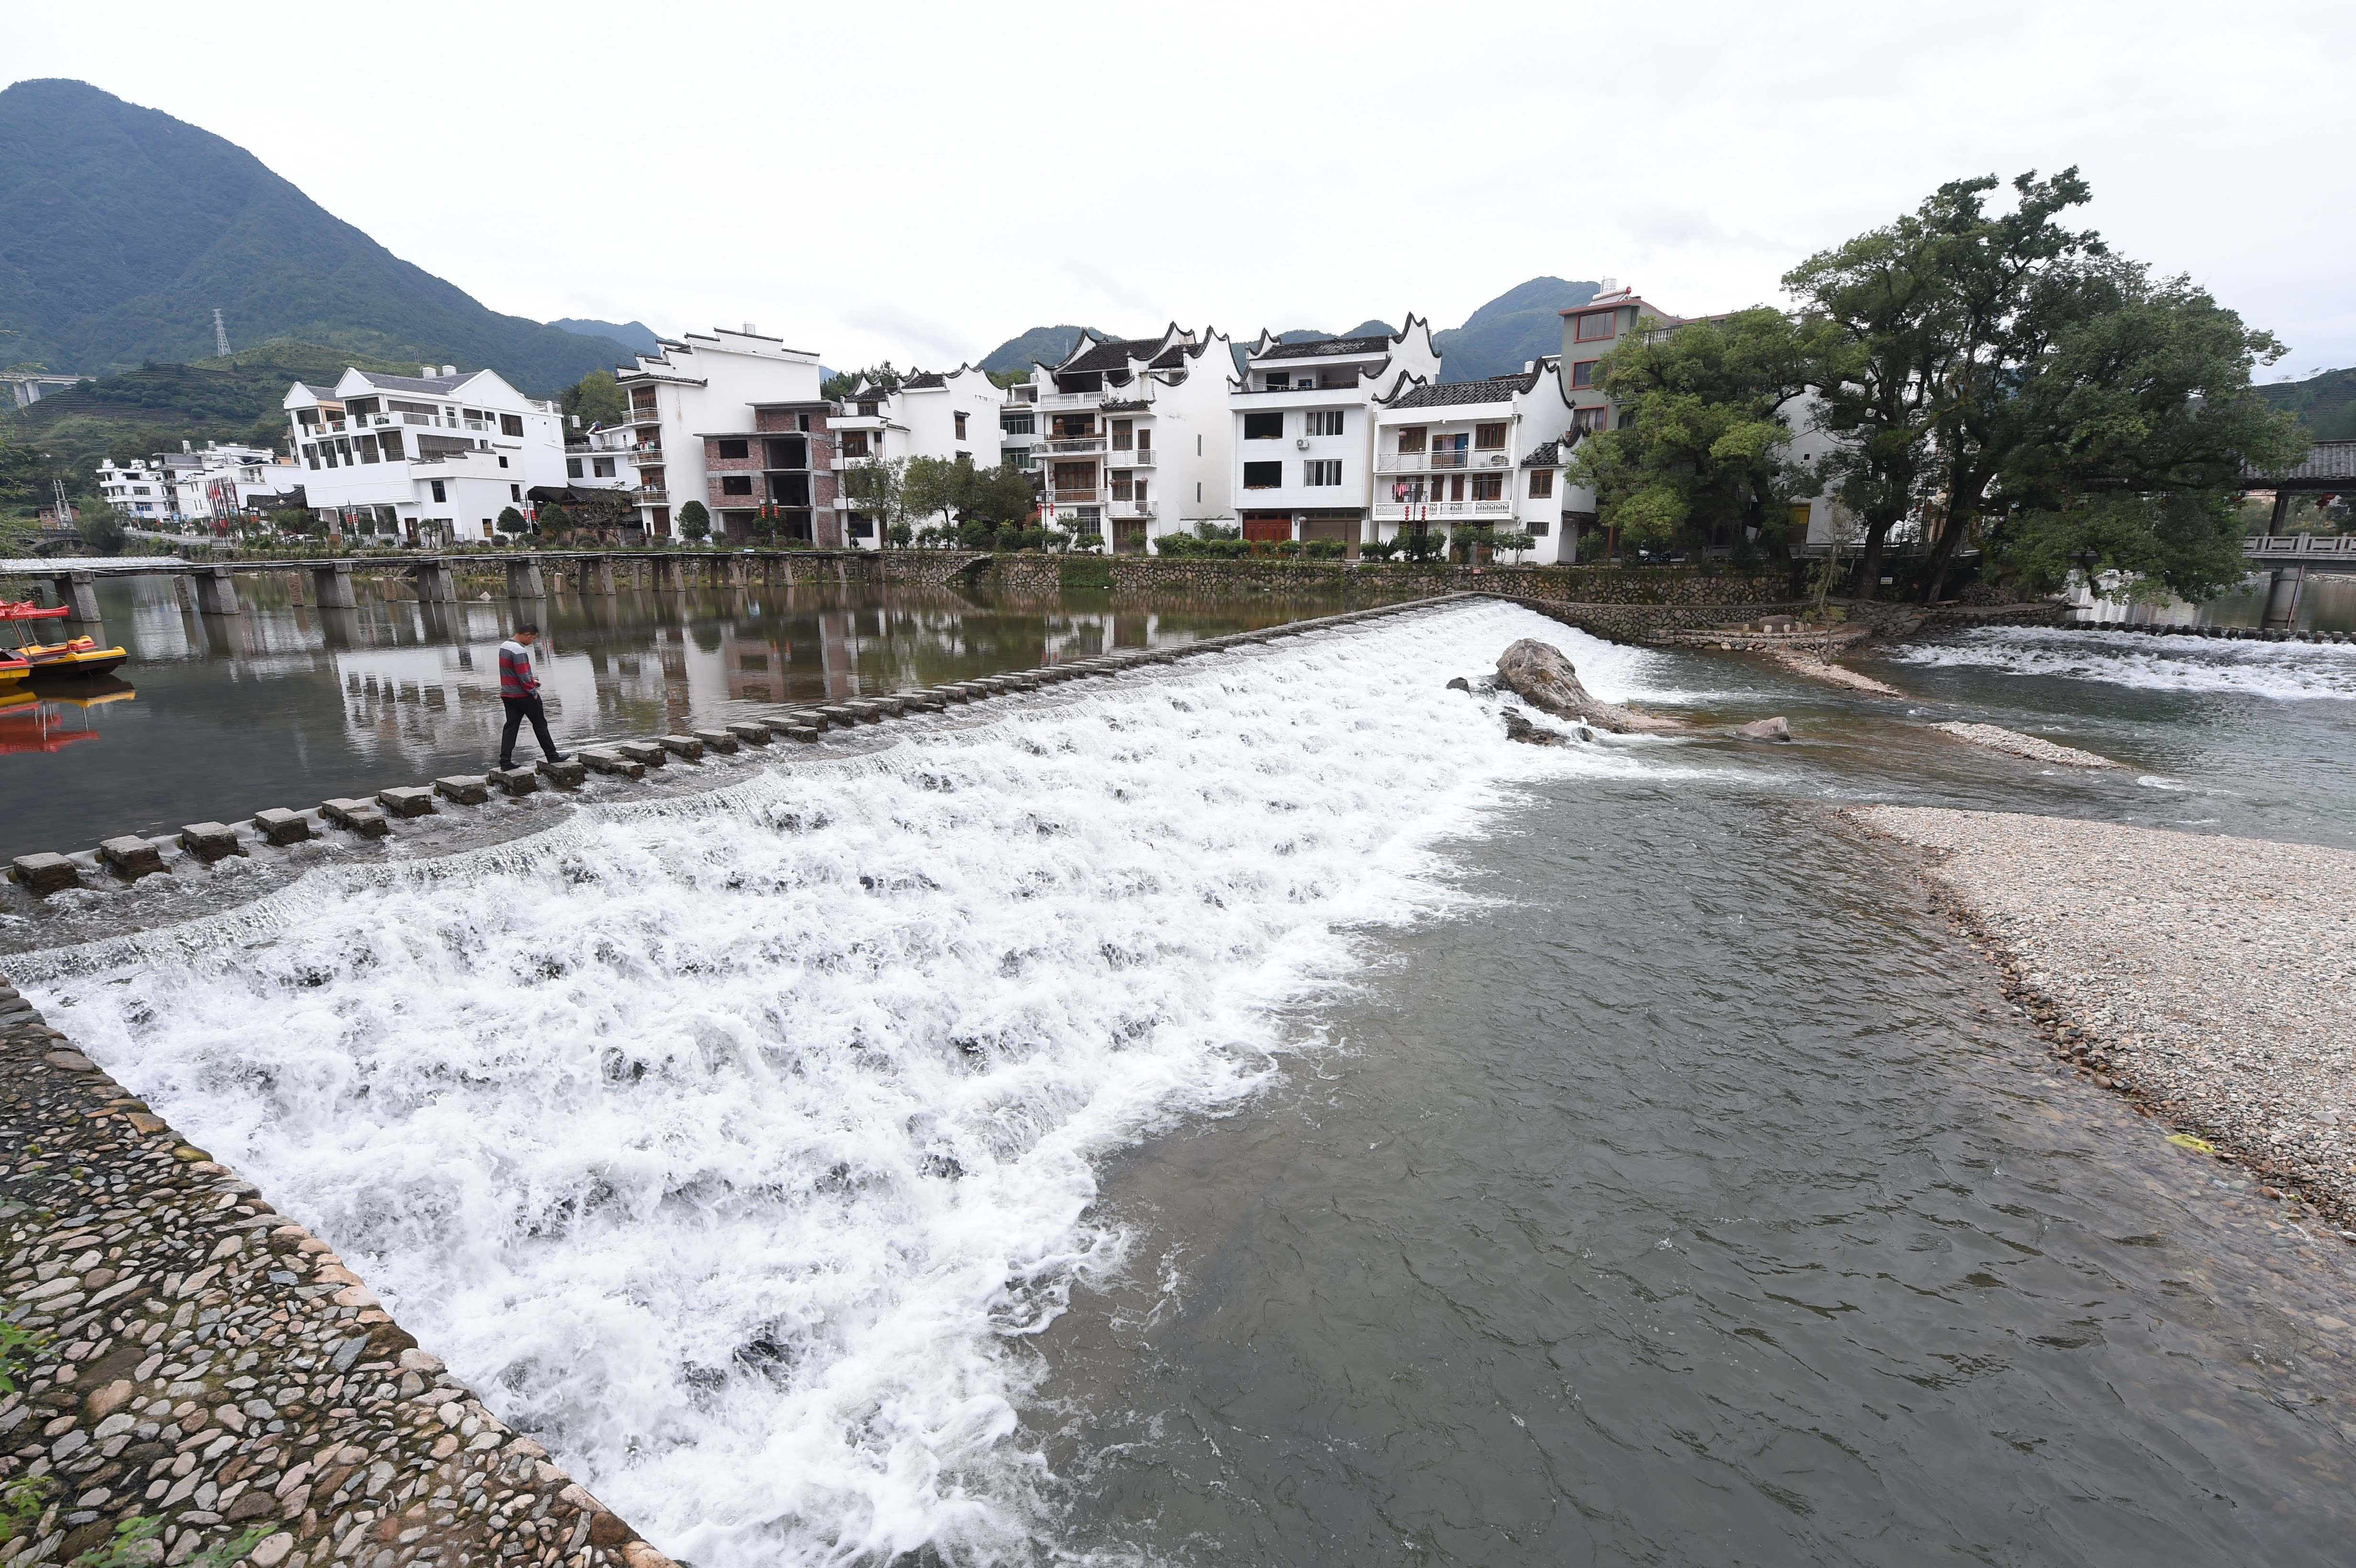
(1304, 426)
(1129, 437)
(696, 392)
(222, 481)
(430, 459)
(950, 414)
(1452, 454)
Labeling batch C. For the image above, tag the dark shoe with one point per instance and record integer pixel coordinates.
(561, 757)
(506, 766)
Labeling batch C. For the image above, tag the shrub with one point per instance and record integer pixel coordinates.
(511, 521)
(694, 522)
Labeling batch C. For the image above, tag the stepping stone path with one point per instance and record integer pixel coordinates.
(131, 856)
(279, 826)
(358, 816)
(205, 1370)
(210, 841)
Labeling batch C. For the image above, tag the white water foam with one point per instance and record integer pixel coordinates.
(2282, 670)
(736, 1146)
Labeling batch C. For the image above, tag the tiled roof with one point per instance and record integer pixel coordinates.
(924, 381)
(1324, 346)
(316, 389)
(1114, 354)
(1547, 455)
(441, 384)
(1444, 394)
(2329, 459)
(1121, 407)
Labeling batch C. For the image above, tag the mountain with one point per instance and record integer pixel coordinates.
(1048, 344)
(122, 229)
(633, 334)
(2326, 404)
(1517, 326)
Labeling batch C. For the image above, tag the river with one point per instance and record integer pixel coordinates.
(1251, 1111)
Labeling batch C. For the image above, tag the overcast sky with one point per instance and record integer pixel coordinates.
(918, 182)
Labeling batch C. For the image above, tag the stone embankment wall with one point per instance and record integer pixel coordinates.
(206, 1374)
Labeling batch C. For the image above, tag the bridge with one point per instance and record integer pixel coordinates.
(2329, 470)
(210, 587)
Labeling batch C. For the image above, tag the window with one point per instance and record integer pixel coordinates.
(734, 451)
(367, 449)
(515, 492)
(1325, 472)
(572, 468)
(737, 483)
(1541, 484)
(391, 441)
(1142, 496)
(1536, 528)
(599, 468)
(1018, 424)
(1198, 492)
(441, 497)
(1489, 437)
(1263, 427)
(1797, 517)
(1120, 484)
(1278, 381)
(1124, 435)
(1598, 324)
(867, 410)
(860, 528)
(1410, 438)
(960, 427)
(854, 443)
(1325, 421)
(1017, 457)
(1145, 439)
(1596, 417)
(787, 451)
(503, 463)
(1263, 475)
(511, 424)
(1488, 486)
(487, 527)
(1582, 372)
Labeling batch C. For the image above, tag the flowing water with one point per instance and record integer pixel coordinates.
(1250, 1111)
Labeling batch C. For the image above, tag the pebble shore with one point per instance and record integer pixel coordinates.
(1997, 739)
(206, 1383)
(2212, 979)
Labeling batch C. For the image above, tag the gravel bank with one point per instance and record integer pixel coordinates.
(204, 1373)
(1997, 739)
(2213, 978)
(1799, 661)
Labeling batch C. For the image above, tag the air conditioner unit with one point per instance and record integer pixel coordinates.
(1302, 442)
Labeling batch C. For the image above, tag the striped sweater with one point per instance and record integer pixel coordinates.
(515, 679)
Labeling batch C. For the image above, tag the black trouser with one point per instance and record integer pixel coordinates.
(519, 710)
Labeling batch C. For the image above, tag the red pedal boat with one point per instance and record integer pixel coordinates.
(26, 610)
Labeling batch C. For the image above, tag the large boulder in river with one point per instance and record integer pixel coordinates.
(1766, 730)
(1546, 680)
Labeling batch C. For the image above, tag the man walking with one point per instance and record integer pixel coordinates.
(519, 693)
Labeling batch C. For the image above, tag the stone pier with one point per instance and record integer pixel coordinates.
(204, 1376)
(332, 586)
(436, 585)
(79, 592)
(216, 591)
(598, 576)
(524, 581)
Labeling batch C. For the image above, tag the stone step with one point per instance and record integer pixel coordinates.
(565, 774)
(131, 856)
(649, 753)
(210, 841)
(406, 800)
(517, 781)
(751, 732)
(463, 788)
(357, 816)
(721, 741)
(45, 873)
(684, 746)
(613, 761)
(279, 826)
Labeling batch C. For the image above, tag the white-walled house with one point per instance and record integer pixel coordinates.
(1302, 417)
(951, 414)
(1129, 437)
(430, 459)
(697, 390)
(1490, 453)
(140, 491)
(228, 479)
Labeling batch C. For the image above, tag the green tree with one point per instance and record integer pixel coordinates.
(1705, 428)
(595, 399)
(935, 487)
(511, 521)
(898, 535)
(101, 527)
(694, 522)
(1000, 495)
(877, 490)
(555, 521)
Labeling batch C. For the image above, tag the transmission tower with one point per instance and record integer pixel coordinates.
(65, 507)
(221, 334)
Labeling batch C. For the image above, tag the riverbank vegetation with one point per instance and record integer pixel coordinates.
(1969, 381)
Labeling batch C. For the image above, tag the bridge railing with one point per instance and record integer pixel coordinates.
(2271, 547)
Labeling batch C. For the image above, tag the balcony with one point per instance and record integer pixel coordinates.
(1443, 511)
(1121, 510)
(1073, 497)
(644, 416)
(1438, 462)
(1070, 400)
(1069, 446)
(1126, 457)
(653, 493)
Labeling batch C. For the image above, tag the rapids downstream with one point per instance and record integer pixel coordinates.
(1253, 1111)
